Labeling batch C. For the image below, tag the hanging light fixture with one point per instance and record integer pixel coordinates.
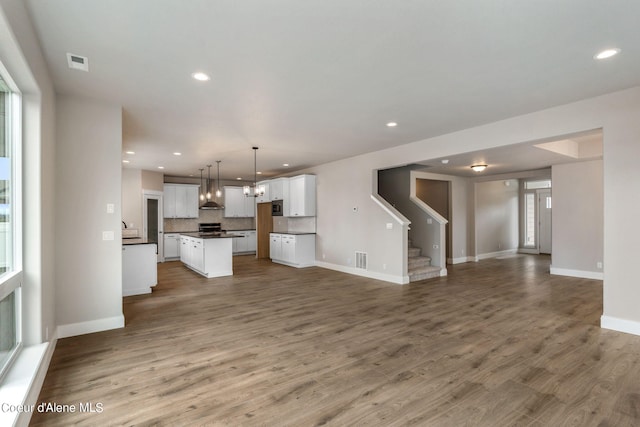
(478, 168)
(208, 182)
(210, 204)
(218, 192)
(201, 186)
(256, 191)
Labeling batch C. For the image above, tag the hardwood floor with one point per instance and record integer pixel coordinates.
(495, 343)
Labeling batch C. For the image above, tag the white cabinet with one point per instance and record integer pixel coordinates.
(180, 201)
(236, 204)
(171, 245)
(265, 197)
(302, 195)
(293, 250)
(139, 269)
(279, 189)
(244, 244)
(209, 257)
(275, 246)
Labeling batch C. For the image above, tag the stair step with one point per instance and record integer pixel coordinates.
(424, 273)
(418, 262)
(413, 252)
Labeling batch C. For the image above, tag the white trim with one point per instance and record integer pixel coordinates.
(488, 255)
(461, 260)
(400, 280)
(428, 210)
(596, 275)
(136, 291)
(24, 380)
(620, 325)
(91, 326)
(532, 251)
(443, 272)
(389, 209)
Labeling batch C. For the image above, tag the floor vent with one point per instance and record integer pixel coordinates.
(361, 260)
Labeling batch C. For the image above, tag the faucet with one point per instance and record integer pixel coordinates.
(125, 224)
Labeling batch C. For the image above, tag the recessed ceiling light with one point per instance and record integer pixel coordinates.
(286, 165)
(259, 173)
(200, 76)
(177, 154)
(239, 179)
(607, 53)
(478, 168)
(392, 124)
(130, 152)
(125, 161)
(160, 167)
(445, 161)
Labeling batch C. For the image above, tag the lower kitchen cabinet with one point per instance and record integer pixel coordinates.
(244, 244)
(210, 257)
(171, 246)
(139, 268)
(295, 250)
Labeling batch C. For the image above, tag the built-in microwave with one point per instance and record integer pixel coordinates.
(276, 208)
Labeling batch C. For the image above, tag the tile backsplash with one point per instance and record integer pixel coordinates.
(305, 224)
(173, 225)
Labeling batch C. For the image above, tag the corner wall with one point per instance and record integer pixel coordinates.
(577, 219)
(89, 274)
(496, 217)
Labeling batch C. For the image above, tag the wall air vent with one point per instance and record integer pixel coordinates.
(78, 62)
(361, 260)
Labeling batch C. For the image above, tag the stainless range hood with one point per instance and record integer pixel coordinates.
(211, 205)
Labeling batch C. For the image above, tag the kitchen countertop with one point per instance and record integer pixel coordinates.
(293, 233)
(137, 241)
(210, 235)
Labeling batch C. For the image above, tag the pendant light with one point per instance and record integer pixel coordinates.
(255, 191)
(218, 192)
(210, 204)
(201, 186)
(209, 182)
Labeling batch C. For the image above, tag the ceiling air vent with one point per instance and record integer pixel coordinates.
(78, 62)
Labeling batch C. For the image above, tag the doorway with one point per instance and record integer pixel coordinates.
(544, 221)
(153, 220)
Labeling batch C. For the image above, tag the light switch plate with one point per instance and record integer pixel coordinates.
(389, 226)
(107, 235)
(110, 208)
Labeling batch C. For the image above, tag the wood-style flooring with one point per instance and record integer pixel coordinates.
(495, 343)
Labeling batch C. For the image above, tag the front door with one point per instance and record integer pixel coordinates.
(544, 221)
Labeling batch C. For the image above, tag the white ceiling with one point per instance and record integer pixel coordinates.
(314, 81)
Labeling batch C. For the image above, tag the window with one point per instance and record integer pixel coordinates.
(10, 224)
(536, 185)
(529, 219)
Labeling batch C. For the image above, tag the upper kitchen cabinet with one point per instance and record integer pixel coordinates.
(236, 204)
(265, 197)
(279, 189)
(180, 201)
(302, 195)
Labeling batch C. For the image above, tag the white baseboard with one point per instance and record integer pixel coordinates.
(596, 275)
(528, 251)
(400, 280)
(496, 254)
(138, 291)
(461, 260)
(98, 325)
(620, 325)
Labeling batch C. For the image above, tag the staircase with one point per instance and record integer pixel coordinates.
(420, 267)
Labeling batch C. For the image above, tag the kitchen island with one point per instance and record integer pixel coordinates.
(208, 254)
(139, 266)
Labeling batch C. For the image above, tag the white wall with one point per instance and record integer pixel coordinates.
(132, 198)
(21, 55)
(496, 216)
(340, 231)
(577, 218)
(89, 273)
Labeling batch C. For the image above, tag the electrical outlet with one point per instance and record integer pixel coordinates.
(110, 208)
(389, 226)
(429, 221)
(323, 256)
(348, 261)
(599, 265)
(384, 266)
(107, 235)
